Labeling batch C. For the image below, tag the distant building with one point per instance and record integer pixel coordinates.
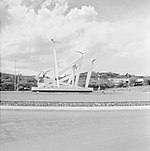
(117, 81)
(139, 82)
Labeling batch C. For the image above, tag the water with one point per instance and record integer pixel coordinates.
(75, 130)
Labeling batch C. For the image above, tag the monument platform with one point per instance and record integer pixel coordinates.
(74, 89)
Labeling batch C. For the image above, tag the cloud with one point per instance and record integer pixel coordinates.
(85, 13)
(28, 26)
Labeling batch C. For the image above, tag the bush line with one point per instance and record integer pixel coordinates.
(74, 104)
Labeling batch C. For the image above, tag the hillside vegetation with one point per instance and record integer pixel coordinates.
(11, 82)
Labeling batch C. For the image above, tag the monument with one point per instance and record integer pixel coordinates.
(67, 83)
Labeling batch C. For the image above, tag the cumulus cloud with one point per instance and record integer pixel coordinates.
(28, 26)
(85, 13)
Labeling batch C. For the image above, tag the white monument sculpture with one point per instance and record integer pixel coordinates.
(67, 83)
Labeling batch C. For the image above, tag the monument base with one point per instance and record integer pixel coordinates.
(73, 89)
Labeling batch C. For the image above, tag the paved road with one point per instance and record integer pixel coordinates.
(75, 131)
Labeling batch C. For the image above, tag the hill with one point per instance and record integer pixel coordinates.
(11, 82)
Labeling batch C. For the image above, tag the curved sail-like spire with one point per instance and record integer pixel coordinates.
(89, 73)
(55, 62)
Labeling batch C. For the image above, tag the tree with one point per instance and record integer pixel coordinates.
(104, 83)
(120, 84)
(147, 80)
(132, 80)
(104, 76)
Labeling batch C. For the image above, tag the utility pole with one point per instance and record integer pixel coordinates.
(128, 83)
(15, 79)
(128, 76)
(18, 75)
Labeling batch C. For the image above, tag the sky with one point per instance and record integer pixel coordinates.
(115, 32)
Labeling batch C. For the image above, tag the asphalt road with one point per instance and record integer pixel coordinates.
(75, 131)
